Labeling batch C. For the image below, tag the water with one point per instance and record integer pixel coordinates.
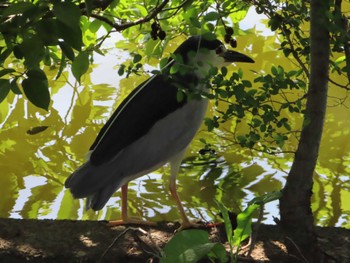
(34, 167)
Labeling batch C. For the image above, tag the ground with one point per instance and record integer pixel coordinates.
(91, 241)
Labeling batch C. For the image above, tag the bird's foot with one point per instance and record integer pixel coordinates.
(130, 221)
(191, 225)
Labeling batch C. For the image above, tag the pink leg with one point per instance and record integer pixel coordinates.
(125, 218)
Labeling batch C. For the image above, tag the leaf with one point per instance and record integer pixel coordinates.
(35, 87)
(163, 63)
(6, 71)
(174, 68)
(71, 35)
(14, 87)
(212, 16)
(80, 65)
(4, 88)
(95, 25)
(244, 225)
(247, 83)
(32, 50)
(47, 31)
(62, 66)
(89, 6)
(195, 22)
(274, 70)
(4, 54)
(67, 50)
(137, 58)
(180, 95)
(237, 16)
(224, 71)
(266, 198)
(36, 130)
(68, 13)
(191, 246)
(17, 8)
(340, 60)
(227, 221)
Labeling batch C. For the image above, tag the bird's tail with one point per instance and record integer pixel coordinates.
(92, 182)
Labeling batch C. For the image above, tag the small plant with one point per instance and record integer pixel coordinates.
(244, 221)
(190, 246)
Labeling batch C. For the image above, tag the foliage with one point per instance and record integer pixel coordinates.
(52, 34)
(55, 34)
(236, 236)
(190, 246)
(258, 110)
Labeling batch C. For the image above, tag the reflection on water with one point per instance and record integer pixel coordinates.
(34, 166)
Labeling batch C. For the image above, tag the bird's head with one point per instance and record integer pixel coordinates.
(201, 53)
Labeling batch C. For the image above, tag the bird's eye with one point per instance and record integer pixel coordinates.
(220, 49)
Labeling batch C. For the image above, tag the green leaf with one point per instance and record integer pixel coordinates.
(180, 95)
(213, 71)
(14, 87)
(191, 246)
(36, 130)
(222, 93)
(237, 16)
(121, 70)
(195, 22)
(266, 198)
(33, 51)
(67, 13)
(62, 66)
(67, 50)
(4, 54)
(95, 25)
(89, 6)
(244, 225)
(224, 71)
(137, 58)
(212, 16)
(71, 35)
(163, 63)
(227, 221)
(6, 71)
(47, 31)
(17, 8)
(340, 60)
(36, 88)
(247, 83)
(4, 88)
(274, 70)
(80, 65)
(174, 68)
(220, 252)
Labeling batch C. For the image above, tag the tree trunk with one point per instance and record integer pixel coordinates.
(295, 204)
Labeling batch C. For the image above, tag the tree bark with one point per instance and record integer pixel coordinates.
(295, 204)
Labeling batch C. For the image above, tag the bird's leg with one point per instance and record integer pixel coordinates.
(124, 202)
(125, 218)
(174, 170)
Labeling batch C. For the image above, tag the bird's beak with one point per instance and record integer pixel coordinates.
(231, 56)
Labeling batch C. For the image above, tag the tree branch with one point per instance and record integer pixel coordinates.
(123, 26)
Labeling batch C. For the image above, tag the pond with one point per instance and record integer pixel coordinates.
(39, 150)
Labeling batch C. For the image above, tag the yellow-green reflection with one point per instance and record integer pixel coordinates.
(34, 166)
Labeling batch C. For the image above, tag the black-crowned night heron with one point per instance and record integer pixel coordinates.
(151, 127)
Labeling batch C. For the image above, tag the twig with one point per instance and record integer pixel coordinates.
(118, 237)
(120, 27)
(156, 250)
(297, 248)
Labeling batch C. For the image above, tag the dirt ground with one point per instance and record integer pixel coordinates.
(91, 241)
